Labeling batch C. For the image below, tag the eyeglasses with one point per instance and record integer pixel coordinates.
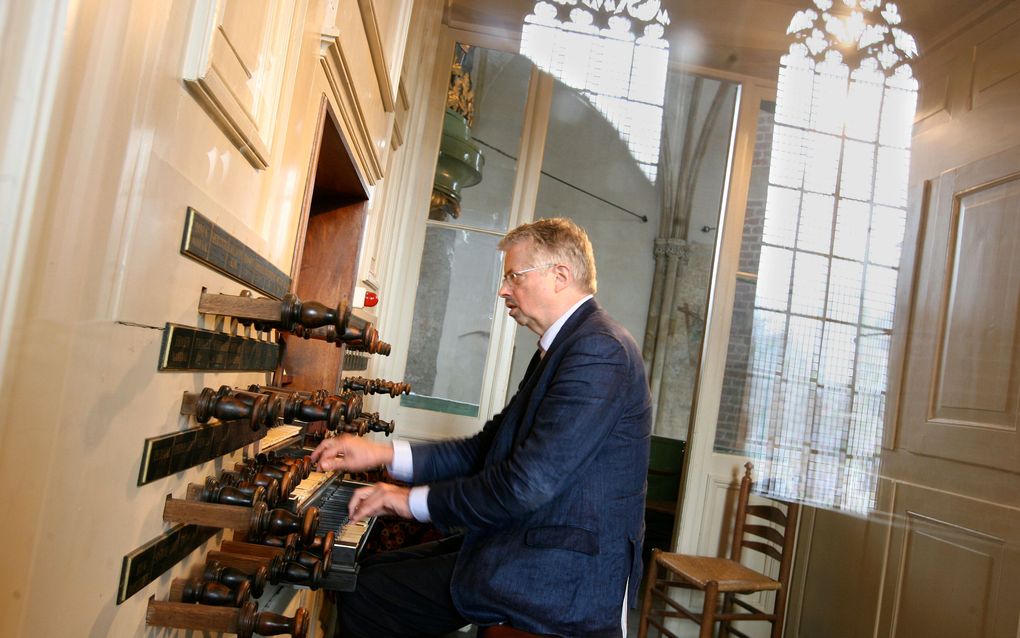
(511, 279)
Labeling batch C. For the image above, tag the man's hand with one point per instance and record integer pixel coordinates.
(381, 498)
(351, 454)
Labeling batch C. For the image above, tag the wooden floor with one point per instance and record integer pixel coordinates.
(632, 627)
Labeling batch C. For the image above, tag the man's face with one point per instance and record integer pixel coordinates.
(528, 297)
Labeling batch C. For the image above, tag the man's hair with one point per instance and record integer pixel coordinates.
(558, 240)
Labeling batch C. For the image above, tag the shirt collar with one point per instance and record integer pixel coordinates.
(550, 335)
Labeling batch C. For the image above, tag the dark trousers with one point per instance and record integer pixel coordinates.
(403, 593)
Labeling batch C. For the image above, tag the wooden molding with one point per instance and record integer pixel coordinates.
(376, 49)
(220, 76)
(349, 108)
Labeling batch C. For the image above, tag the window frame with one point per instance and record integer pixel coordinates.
(422, 423)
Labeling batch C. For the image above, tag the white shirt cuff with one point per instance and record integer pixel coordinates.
(418, 502)
(402, 467)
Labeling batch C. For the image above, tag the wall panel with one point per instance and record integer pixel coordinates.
(952, 562)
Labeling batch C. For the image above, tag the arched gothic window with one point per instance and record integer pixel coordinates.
(814, 394)
(594, 50)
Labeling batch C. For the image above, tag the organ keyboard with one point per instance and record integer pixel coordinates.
(280, 435)
(331, 494)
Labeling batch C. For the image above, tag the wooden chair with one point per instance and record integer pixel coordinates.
(767, 529)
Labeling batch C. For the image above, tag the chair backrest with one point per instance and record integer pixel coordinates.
(766, 528)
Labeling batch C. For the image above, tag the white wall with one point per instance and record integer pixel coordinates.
(127, 149)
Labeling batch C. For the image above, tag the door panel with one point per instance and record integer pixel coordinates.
(962, 385)
(952, 567)
(977, 379)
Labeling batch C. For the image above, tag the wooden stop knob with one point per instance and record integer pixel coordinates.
(234, 578)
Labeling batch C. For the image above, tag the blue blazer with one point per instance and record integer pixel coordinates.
(551, 492)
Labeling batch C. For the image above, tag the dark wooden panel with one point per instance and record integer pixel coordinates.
(148, 562)
(328, 271)
(207, 243)
(171, 453)
(187, 349)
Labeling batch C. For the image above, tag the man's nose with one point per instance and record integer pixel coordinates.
(504, 290)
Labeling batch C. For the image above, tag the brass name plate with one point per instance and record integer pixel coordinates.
(194, 349)
(209, 244)
(150, 561)
(171, 453)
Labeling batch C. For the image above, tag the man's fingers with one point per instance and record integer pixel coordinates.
(323, 449)
(357, 497)
(377, 499)
(368, 501)
(371, 504)
(328, 454)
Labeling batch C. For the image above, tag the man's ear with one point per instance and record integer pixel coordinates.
(563, 276)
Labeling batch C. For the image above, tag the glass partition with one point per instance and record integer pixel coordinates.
(461, 265)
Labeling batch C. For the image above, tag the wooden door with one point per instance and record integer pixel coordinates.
(953, 556)
(962, 391)
(326, 260)
(951, 468)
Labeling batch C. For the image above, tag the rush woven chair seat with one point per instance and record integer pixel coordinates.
(768, 529)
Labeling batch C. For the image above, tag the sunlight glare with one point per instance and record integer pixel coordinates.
(832, 237)
(621, 74)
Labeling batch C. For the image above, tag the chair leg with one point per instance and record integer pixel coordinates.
(646, 601)
(724, 626)
(780, 611)
(708, 611)
(777, 627)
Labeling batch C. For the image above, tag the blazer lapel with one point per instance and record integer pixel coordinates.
(514, 426)
(532, 366)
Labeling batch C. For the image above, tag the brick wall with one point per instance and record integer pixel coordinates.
(730, 429)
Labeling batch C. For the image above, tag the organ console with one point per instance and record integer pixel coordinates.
(245, 621)
(331, 499)
(275, 503)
